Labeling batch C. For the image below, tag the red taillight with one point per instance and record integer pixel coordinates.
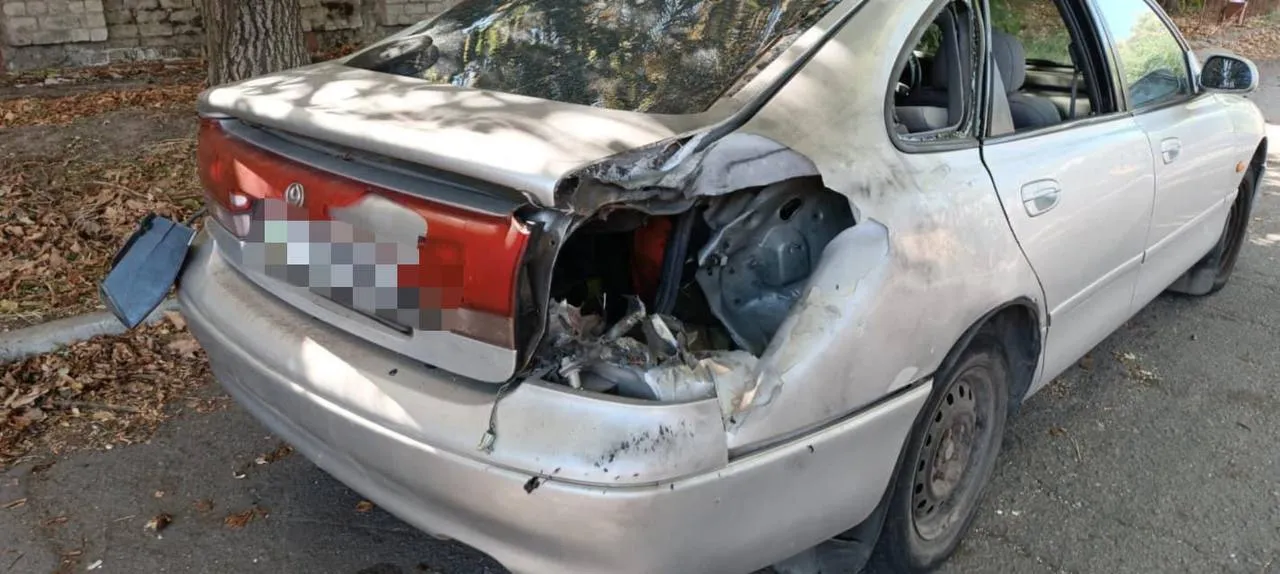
(468, 262)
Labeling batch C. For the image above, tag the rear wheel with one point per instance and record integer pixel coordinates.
(949, 459)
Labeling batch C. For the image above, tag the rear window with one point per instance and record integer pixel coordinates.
(655, 56)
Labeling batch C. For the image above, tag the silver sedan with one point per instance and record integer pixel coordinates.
(705, 286)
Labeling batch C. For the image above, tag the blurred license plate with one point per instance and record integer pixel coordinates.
(356, 267)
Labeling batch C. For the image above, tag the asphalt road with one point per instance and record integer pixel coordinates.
(1105, 471)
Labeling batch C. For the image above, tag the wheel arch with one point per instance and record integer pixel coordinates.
(1017, 324)
(1259, 161)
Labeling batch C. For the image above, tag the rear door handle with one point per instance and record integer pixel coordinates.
(1038, 197)
(1170, 149)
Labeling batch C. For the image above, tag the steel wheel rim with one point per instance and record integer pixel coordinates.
(956, 442)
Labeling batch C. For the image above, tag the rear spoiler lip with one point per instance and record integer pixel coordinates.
(436, 185)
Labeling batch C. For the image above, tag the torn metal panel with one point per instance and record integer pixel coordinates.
(764, 249)
(671, 171)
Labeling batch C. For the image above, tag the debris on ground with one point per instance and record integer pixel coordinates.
(364, 506)
(55, 521)
(158, 523)
(280, 452)
(238, 520)
(1134, 370)
(1061, 432)
(98, 393)
(62, 221)
(203, 505)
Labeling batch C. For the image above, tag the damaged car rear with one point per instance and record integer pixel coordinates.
(631, 286)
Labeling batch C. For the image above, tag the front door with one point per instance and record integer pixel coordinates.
(1190, 136)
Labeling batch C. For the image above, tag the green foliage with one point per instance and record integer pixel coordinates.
(1038, 25)
(1005, 18)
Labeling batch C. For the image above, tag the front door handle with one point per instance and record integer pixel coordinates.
(1170, 149)
(1038, 197)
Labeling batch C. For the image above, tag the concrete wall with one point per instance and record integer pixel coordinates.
(61, 33)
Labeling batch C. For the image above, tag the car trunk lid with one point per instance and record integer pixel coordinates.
(368, 249)
(522, 143)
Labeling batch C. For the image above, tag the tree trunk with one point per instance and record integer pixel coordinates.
(247, 38)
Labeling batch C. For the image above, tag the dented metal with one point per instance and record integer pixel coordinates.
(865, 280)
(765, 247)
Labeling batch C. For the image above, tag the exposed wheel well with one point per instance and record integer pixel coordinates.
(1017, 325)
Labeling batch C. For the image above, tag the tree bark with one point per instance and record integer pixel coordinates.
(247, 38)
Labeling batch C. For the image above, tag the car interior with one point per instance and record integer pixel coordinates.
(1045, 89)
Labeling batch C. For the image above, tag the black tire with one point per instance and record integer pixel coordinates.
(940, 482)
(1227, 252)
(1212, 272)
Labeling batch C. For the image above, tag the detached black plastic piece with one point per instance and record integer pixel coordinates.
(144, 270)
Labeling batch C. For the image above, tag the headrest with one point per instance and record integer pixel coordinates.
(1011, 60)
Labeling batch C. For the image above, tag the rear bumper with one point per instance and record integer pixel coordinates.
(404, 436)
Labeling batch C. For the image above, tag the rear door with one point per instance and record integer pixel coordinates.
(1188, 131)
(1078, 195)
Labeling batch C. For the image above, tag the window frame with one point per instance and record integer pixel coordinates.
(1100, 68)
(965, 134)
(1117, 67)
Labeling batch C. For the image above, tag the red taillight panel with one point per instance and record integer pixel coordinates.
(467, 262)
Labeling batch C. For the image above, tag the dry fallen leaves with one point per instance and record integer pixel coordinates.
(61, 221)
(241, 519)
(364, 506)
(171, 72)
(97, 393)
(44, 111)
(1258, 38)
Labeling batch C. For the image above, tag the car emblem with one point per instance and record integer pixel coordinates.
(294, 194)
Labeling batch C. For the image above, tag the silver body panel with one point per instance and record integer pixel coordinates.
(599, 503)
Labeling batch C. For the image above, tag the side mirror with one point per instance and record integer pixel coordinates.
(1229, 74)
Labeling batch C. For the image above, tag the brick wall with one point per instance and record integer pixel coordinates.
(37, 22)
(58, 33)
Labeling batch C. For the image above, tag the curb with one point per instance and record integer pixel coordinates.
(45, 337)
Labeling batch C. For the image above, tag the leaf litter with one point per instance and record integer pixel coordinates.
(60, 110)
(1258, 38)
(238, 520)
(173, 72)
(109, 390)
(61, 222)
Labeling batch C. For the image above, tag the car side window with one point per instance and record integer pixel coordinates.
(1152, 63)
(934, 94)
